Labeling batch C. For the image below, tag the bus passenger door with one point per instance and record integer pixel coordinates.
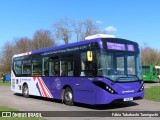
(83, 84)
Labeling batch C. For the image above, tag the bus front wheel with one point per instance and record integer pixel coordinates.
(25, 91)
(68, 96)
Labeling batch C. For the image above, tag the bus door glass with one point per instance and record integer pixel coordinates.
(119, 66)
(131, 65)
(87, 65)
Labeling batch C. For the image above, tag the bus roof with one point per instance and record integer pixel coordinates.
(99, 36)
(98, 39)
(158, 67)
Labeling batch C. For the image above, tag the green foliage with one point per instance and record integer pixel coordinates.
(152, 93)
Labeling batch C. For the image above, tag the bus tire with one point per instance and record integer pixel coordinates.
(67, 96)
(25, 91)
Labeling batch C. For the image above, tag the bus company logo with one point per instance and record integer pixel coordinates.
(57, 83)
(128, 91)
(6, 114)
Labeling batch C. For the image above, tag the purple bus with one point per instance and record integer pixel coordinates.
(98, 70)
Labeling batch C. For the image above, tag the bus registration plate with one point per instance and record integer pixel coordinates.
(128, 99)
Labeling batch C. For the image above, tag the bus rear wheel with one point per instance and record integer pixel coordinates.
(68, 96)
(25, 91)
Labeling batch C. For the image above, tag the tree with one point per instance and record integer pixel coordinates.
(7, 53)
(85, 28)
(23, 45)
(89, 28)
(78, 28)
(150, 56)
(42, 39)
(63, 29)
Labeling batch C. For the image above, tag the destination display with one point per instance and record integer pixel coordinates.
(130, 47)
(120, 46)
(115, 46)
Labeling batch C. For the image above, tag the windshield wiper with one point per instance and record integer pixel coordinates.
(128, 76)
(136, 77)
(105, 77)
(115, 80)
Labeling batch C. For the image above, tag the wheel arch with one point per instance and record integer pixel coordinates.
(24, 84)
(65, 86)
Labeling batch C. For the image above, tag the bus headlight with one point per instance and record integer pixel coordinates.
(141, 88)
(109, 89)
(105, 87)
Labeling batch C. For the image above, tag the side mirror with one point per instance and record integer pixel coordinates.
(89, 56)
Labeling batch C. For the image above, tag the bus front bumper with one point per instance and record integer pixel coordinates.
(110, 98)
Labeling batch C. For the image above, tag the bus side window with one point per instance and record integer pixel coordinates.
(70, 68)
(26, 67)
(63, 68)
(37, 66)
(67, 66)
(54, 66)
(45, 67)
(18, 67)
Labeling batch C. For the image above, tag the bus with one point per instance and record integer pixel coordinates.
(99, 70)
(151, 73)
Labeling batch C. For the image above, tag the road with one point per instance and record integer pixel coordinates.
(8, 98)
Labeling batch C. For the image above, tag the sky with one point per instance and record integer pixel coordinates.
(136, 20)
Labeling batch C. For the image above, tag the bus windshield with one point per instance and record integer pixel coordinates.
(118, 66)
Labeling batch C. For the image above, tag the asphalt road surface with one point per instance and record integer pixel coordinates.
(10, 99)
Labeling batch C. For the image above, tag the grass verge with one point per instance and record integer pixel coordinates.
(6, 83)
(152, 93)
